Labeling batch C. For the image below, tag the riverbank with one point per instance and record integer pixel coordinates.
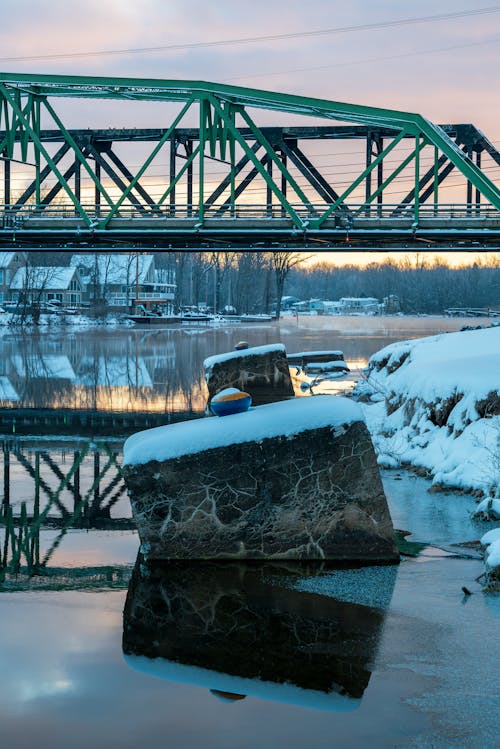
(434, 404)
(406, 325)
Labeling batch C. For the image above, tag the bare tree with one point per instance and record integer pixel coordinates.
(282, 263)
(34, 281)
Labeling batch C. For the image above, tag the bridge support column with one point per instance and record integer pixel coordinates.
(478, 194)
(189, 151)
(6, 182)
(97, 191)
(173, 154)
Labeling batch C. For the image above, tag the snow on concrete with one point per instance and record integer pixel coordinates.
(285, 418)
(211, 361)
(302, 354)
(439, 407)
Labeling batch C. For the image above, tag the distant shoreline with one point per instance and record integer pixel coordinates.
(385, 323)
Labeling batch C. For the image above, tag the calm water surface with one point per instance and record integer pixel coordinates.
(93, 653)
(161, 370)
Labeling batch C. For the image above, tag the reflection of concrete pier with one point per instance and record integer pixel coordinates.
(241, 629)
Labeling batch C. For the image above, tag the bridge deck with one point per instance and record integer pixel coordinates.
(252, 225)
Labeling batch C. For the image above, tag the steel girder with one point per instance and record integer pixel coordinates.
(226, 132)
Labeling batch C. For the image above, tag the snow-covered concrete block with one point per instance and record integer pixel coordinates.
(303, 358)
(288, 480)
(261, 371)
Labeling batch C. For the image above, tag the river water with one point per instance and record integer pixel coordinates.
(94, 654)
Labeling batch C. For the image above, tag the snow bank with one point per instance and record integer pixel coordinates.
(439, 407)
(286, 418)
(488, 509)
(493, 556)
(209, 363)
(490, 537)
(491, 542)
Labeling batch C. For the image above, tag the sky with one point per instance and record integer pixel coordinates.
(447, 70)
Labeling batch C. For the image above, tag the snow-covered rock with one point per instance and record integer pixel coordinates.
(490, 537)
(440, 407)
(261, 371)
(297, 479)
(488, 509)
(491, 543)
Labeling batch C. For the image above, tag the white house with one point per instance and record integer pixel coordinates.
(350, 304)
(125, 279)
(10, 262)
(47, 284)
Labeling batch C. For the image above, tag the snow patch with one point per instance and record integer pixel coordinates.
(490, 537)
(285, 418)
(493, 555)
(439, 407)
(488, 509)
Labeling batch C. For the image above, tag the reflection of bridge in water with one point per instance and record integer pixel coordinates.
(234, 183)
(71, 485)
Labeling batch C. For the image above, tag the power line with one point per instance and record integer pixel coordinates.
(266, 38)
(365, 61)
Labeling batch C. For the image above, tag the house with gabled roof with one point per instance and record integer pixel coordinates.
(46, 283)
(10, 262)
(125, 279)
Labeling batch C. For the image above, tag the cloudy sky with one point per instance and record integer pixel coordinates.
(446, 69)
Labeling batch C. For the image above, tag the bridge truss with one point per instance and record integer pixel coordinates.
(215, 178)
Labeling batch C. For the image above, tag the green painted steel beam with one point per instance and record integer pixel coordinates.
(153, 89)
(78, 154)
(258, 165)
(148, 161)
(387, 181)
(171, 90)
(178, 176)
(259, 137)
(18, 112)
(317, 222)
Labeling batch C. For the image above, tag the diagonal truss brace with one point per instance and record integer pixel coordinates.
(257, 163)
(16, 108)
(316, 223)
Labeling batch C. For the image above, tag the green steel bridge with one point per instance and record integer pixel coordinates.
(219, 173)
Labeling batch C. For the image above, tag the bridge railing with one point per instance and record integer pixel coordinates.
(13, 214)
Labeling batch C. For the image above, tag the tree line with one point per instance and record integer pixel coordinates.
(256, 282)
(253, 282)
